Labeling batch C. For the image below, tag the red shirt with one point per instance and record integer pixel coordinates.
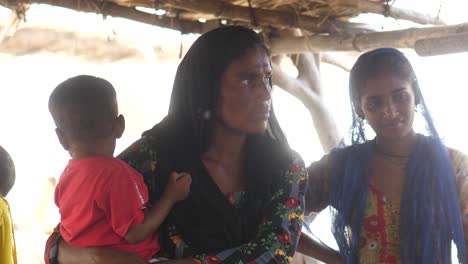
(99, 199)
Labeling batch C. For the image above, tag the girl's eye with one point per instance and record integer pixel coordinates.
(373, 103)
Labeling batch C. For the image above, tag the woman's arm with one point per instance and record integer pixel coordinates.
(68, 254)
(460, 168)
(280, 228)
(317, 195)
(58, 251)
(313, 248)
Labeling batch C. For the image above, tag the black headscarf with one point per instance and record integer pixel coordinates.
(206, 220)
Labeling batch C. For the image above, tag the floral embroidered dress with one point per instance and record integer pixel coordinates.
(379, 237)
(279, 227)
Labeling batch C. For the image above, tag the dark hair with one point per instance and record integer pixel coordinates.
(375, 63)
(196, 89)
(83, 107)
(7, 172)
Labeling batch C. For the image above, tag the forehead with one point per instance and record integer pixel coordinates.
(385, 84)
(253, 60)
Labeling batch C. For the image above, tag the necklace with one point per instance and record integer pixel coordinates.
(389, 155)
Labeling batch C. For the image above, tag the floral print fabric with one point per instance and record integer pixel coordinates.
(379, 238)
(280, 228)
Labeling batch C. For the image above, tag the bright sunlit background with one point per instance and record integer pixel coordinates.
(143, 89)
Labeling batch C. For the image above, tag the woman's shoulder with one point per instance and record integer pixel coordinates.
(457, 156)
(459, 162)
(141, 153)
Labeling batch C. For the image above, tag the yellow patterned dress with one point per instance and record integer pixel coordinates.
(7, 238)
(379, 238)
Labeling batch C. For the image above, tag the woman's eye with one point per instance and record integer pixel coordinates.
(246, 82)
(401, 97)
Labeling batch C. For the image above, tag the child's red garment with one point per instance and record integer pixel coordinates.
(99, 199)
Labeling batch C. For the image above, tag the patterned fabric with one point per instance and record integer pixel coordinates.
(379, 241)
(379, 238)
(51, 248)
(280, 227)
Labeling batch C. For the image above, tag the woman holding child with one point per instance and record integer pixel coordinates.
(246, 198)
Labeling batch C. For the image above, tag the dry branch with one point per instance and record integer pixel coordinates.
(444, 45)
(263, 17)
(336, 61)
(307, 87)
(365, 6)
(110, 9)
(405, 38)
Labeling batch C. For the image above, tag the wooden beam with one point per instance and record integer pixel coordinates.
(365, 6)
(404, 38)
(439, 46)
(110, 9)
(264, 17)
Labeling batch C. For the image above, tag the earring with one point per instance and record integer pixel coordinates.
(206, 115)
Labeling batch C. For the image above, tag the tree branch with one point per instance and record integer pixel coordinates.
(110, 9)
(308, 89)
(444, 45)
(365, 6)
(404, 38)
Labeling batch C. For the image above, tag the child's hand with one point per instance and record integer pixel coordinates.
(178, 186)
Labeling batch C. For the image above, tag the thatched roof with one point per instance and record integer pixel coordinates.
(314, 16)
(325, 24)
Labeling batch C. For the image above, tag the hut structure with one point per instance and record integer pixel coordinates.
(290, 26)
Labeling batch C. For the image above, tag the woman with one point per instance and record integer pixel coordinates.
(400, 197)
(246, 199)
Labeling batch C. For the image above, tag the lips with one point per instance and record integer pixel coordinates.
(262, 112)
(394, 123)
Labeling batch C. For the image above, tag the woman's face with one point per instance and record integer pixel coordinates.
(388, 104)
(245, 96)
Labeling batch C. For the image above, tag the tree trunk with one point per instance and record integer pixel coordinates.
(307, 88)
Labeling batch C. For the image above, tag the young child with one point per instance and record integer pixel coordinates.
(102, 200)
(7, 237)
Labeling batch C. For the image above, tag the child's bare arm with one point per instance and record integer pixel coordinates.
(177, 189)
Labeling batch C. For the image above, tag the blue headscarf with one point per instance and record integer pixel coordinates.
(430, 217)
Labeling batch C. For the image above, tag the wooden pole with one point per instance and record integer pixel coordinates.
(110, 9)
(404, 38)
(365, 6)
(443, 45)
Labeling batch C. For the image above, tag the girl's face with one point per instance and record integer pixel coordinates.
(245, 97)
(387, 102)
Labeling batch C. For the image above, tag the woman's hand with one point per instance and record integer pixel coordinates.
(312, 248)
(178, 261)
(68, 254)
